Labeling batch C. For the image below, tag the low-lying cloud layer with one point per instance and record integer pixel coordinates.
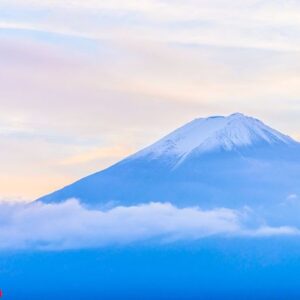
(69, 225)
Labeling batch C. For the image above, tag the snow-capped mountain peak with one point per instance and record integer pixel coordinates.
(216, 132)
(247, 162)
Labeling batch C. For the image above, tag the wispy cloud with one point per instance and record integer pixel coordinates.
(113, 152)
(249, 24)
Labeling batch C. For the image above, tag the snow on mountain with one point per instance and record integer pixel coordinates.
(217, 132)
(211, 162)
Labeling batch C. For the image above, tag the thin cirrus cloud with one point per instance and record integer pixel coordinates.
(71, 226)
(95, 154)
(248, 24)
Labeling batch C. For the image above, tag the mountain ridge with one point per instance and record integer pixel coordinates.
(212, 133)
(217, 161)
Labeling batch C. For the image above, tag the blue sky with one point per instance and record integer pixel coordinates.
(85, 83)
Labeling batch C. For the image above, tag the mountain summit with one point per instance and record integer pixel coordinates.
(216, 161)
(216, 133)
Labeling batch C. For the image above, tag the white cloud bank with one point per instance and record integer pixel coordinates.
(69, 225)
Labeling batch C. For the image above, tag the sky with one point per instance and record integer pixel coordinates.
(86, 83)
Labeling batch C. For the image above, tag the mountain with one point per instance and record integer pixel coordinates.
(217, 161)
(215, 133)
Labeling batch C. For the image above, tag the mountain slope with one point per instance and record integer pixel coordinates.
(217, 161)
